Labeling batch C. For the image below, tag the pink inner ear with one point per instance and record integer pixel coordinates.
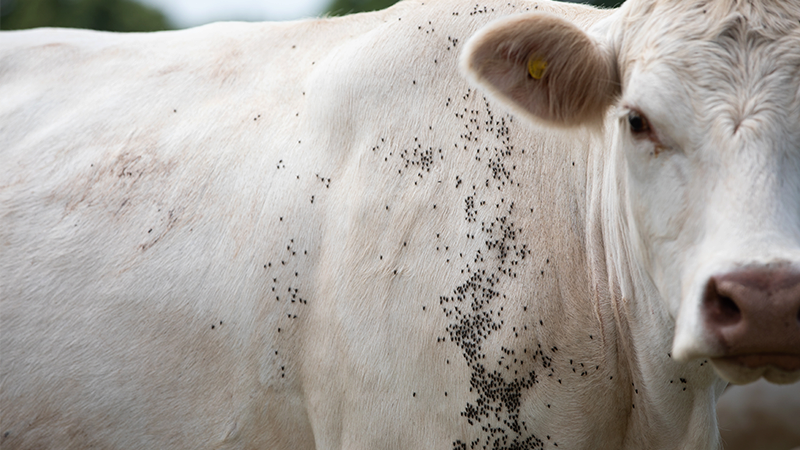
(576, 87)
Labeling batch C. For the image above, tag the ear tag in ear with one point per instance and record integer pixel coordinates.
(536, 67)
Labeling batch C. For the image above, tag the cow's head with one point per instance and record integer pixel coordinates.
(703, 170)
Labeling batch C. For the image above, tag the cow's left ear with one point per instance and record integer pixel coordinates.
(544, 67)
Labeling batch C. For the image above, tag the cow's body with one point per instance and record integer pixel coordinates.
(312, 235)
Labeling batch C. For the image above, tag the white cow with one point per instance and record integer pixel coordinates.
(319, 235)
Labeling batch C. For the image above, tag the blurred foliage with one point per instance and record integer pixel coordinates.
(342, 7)
(108, 15)
(606, 3)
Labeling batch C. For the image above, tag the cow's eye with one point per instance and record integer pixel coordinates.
(638, 122)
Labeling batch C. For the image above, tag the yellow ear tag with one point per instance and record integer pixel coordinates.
(536, 68)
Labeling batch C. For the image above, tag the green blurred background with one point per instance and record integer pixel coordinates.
(341, 7)
(129, 15)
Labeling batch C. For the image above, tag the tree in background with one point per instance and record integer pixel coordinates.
(605, 3)
(342, 7)
(108, 15)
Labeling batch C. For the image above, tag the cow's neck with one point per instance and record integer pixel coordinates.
(658, 389)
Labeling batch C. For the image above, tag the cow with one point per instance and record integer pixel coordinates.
(444, 225)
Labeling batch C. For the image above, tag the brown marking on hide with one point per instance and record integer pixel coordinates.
(227, 65)
(171, 69)
(128, 185)
(117, 183)
(173, 216)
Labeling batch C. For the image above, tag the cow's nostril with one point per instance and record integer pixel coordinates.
(728, 309)
(720, 308)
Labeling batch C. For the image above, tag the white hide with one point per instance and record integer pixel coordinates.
(318, 235)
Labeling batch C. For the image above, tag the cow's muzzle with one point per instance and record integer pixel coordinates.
(753, 314)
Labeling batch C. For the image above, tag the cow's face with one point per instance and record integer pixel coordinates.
(704, 169)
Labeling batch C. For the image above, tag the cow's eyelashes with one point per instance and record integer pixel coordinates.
(638, 123)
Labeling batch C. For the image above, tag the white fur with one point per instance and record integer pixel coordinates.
(147, 179)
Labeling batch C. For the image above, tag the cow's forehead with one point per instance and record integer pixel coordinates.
(662, 22)
(680, 32)
(737, 59)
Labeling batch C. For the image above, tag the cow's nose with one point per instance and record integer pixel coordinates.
(755, 316)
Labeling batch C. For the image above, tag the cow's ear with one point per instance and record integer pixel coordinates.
(544, 67)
